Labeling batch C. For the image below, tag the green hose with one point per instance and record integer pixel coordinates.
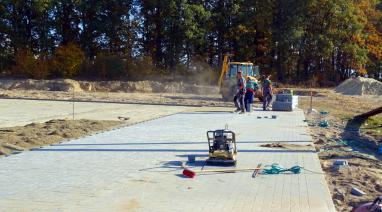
(277, 169)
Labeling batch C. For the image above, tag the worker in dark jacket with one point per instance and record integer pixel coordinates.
(239, 97)
(267, 92)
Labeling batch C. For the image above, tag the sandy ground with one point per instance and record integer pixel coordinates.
(121, 97)
(333, 143)
(27, 124)
(19, 112)
(289, 146)
(16, 139)
(341, 106)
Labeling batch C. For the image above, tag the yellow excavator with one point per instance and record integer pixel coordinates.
(227, 80)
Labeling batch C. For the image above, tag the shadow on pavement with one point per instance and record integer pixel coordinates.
(163, 150)
(170, 143)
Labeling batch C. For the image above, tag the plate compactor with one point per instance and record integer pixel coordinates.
(222, 148)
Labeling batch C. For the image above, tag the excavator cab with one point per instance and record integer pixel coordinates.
(248, 69)
(227, 80)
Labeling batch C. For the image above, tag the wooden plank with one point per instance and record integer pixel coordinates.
(370, 113)
(13, 147)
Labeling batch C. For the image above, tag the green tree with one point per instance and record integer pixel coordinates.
(116, 25)
(296, 40)
(195, 31)
(67, 60)
(67, 20)
(91, 26)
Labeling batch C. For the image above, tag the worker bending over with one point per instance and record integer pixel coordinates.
(239, 97)
(251, 88)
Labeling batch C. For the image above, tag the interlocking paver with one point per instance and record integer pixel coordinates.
(137, 168)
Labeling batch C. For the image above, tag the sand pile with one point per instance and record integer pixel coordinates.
(360, 86)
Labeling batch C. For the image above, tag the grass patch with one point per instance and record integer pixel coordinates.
(373, 125)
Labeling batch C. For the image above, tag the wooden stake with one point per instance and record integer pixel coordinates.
(311, 99)
(73, 103)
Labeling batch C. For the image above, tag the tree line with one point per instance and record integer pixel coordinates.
(294, 40)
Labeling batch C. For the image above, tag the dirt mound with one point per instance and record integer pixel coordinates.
(107, 86)
(147, 87)
(360, 86)
(289, 146)
(39, 134)
(46, 85)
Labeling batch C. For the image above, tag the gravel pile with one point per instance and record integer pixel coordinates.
(360, 86)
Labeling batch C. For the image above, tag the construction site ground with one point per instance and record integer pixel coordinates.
(98, 117)
(138, 167)
(336, 143)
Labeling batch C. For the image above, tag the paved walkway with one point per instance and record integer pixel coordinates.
(137, 168)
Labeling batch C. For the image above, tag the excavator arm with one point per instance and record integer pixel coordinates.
(225, 67)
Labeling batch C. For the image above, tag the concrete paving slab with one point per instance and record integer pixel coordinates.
(137, 168)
